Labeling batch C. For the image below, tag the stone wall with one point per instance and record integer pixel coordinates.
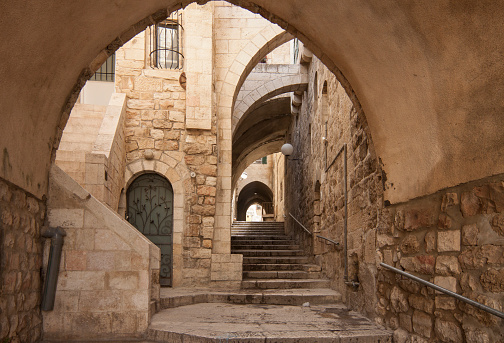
(158, 137)
(314, 186)
(22, 217)
(92, 149)
(106, 162)
(109, 273)
(279, 186)
(78, 138)
(455, 239)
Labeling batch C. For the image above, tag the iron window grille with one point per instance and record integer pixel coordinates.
(106, 71)
(166, 43)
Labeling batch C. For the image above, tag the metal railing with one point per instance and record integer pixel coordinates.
(330, 241)
(297, 221)
(446, 291)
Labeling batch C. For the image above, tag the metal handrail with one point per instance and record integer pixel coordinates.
(297, 221)
(329, 240)
(446, 291)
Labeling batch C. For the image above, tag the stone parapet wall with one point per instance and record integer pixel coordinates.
(455, 239)
(78, 139)
(109, 272)
(21, 221)
(92, 149)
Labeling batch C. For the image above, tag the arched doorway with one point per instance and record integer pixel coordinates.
(150, 210)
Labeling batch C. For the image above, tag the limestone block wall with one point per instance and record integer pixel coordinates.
(281, 55)
(199, 64)
(79, 138)
(106, 162)
(156, 126)
(239, 35)
(21, 222)
(279, 186)
(109, 272)
(92, 149)
(314, 186)
(455, 239)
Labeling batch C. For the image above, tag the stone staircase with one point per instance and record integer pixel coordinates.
(271, 259)
(283, 299)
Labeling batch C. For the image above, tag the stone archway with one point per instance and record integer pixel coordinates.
(427, 86)
(252, 193)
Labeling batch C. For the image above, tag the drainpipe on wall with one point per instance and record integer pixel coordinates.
(49, 293)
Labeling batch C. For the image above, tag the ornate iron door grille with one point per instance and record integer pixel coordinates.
(150, 210)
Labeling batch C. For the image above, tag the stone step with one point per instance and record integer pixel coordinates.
(262, 234)
(252, 232)
(239, 242)
(284, 283)
(258, 224)
(260, 237)
(259, 253)
(175, 297)
(281, 266)
(276, 260)
(280, 274)
(249, 246)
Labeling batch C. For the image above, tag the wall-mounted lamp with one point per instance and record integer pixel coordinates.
(287, 149)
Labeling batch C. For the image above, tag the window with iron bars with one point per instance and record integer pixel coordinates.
(166, 43)
(106, 71)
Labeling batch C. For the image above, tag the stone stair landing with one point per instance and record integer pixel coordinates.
(283, 299)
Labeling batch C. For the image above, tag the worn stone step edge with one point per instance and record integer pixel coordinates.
(280, 274)
(284, 283)
(250, 267)
(276, 260)
(264, 247)
(240, 242)
(243, 298)
(266, 253)
(369, 336)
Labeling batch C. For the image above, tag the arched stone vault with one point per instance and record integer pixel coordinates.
(276, 86)
(268, 109)
(431, 71)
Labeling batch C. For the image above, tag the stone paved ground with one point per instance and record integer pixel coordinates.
(258, 322)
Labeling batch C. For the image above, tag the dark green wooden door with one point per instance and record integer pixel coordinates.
(150, 210)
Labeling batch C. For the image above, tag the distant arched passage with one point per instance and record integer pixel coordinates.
(255, 192)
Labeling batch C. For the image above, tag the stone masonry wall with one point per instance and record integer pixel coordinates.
(106, 162)
(316, 196)
(92, 149)
(22, 217)
(109, 272)
(156, 125)
(455, 239)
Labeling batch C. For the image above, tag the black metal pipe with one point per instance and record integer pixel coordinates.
(49, 294)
